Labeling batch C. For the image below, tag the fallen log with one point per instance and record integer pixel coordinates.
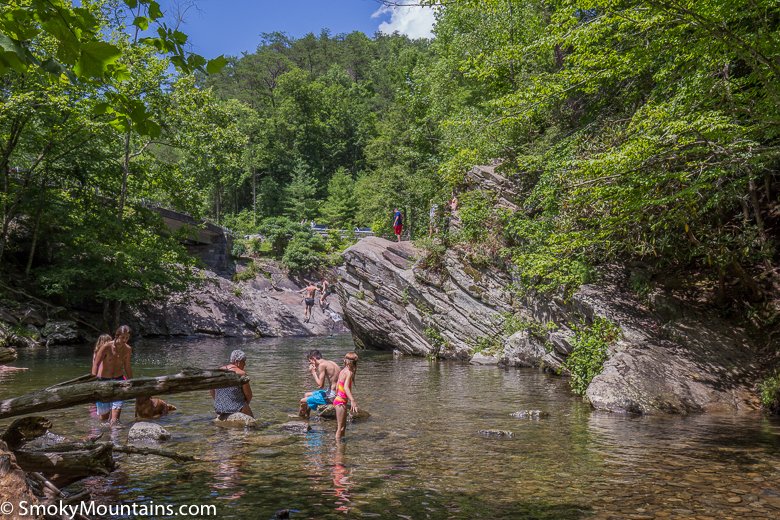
(69, 447)
(76, 463)
(79, 393)
(134, 450)
(24, 430)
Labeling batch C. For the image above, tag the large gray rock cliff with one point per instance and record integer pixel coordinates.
(681, 360)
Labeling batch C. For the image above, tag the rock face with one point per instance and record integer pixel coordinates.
(391, 302)
(147, 432)
(671, 358)
(61, 332)
(265, 306)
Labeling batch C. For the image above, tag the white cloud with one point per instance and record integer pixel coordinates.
(413, 21)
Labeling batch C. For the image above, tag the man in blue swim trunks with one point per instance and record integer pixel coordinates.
(112, 363)
(321, 370)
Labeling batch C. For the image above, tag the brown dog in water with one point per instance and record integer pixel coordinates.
(151, 408)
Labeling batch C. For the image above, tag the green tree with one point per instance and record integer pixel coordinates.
(340, 207)
(300, 194)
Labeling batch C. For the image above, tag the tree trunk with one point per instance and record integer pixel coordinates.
(36, 227)
(80, 393)
(125, 177)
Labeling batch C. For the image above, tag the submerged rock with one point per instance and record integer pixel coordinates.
(299, 427)
(146, 431)
(236, 420)
(497, 433)
(329, 412)
(530, 414)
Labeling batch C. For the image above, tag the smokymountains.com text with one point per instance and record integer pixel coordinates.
(92, 509)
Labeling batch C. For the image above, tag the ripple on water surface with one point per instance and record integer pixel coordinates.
(419, 455)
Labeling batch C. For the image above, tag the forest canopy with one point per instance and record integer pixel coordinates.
(642, 133)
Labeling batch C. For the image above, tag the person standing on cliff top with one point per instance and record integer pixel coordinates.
(112, 363)
(398, 223)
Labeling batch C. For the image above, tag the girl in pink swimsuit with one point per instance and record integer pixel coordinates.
(344, 394)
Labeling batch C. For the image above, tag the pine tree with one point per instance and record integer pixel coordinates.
(299, 194)
(340, 207)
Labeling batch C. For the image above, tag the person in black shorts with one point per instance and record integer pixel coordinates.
(308, 300)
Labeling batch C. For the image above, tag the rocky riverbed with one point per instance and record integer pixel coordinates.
(670, 358)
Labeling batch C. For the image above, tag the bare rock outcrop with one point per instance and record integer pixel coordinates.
(681, 360)
(219, 306)
(391, 302)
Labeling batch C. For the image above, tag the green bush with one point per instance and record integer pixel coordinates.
(770, 393)
(589, 352)
(305, 252)
(250, 273)
(433, 252)
(488, 345)
(279, 232)
(476, 213)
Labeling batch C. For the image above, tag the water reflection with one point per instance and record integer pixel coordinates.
(229, 457)
(419, 456)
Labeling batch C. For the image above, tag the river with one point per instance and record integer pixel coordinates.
(420, 455)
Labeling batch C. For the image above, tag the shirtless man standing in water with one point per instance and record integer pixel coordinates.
(112, 363)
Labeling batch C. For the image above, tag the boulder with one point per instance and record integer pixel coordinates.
(147, 432)
(500, 434)
(530, 414)
(561, 341)
(482, 359)
(60, 332)
(236, 420)
(523, 349)
(299, 427)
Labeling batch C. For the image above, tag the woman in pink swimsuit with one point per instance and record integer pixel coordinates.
(344, 394)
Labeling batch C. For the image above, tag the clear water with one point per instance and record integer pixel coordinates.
(419, 455)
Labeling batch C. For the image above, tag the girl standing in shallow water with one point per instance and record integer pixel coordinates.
(344, 394)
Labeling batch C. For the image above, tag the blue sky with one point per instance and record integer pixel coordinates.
(231, 26)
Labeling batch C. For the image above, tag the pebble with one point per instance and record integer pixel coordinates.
(734, 500)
